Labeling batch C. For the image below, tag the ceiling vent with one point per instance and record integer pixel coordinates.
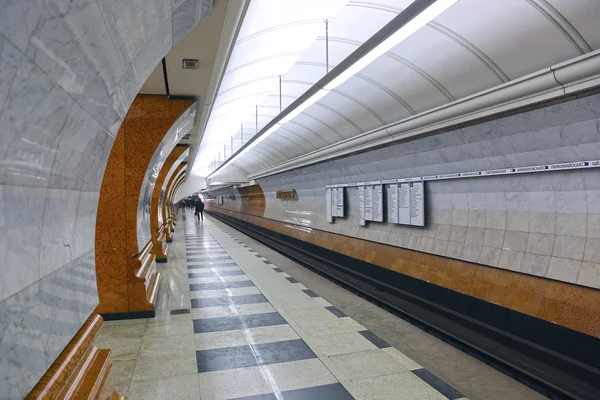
(189, 63)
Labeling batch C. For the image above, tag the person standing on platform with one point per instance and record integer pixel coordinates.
(200, 209)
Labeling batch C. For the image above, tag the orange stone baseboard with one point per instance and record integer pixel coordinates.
(81, 371)
(160, 248)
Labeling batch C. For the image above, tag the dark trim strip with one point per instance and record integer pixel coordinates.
(551, 359)
(128, 315)
(166, 77)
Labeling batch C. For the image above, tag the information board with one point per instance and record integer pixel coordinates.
(340, 202)
(417, 204)
(403, 204)
(361, 205)
(392, 202)
(377, 202)
(369, 203)
(328, 205)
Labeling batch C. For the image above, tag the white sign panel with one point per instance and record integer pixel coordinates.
(328, 205)
(361, 205)
(417, 204)
(369, 203)
(340, 202)
(392, 202)
(378, 203)
(403, 204)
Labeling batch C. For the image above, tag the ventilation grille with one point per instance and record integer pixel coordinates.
(189, 63)
(180, 311)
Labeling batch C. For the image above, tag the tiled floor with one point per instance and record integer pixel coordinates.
(232, 325)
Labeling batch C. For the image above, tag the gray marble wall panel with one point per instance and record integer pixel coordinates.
(69, 70)
(544, 224)
(178, 130)
(163, 190)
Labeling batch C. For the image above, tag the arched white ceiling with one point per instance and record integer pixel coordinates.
(473, 46)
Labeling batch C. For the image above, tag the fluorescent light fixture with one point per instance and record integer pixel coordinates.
(408, 29)
(405, 31)
(307, 103)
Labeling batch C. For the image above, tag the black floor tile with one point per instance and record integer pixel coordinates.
(336, 311)
(237, 322)
(286, 351)
(211, 273)
(310, 293)
(292, 280)
(219, 265)
(376, 340)
(327, 392)
(277, 270)
(227, 300)
(226, 358)
(264, 319)
(220, 285)
(438, 384)
(268, 263)
(217, 324)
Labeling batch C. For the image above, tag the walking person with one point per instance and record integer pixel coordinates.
(200, 209)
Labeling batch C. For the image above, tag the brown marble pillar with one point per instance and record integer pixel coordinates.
(128, 281)
(167, 205)
(159, 227)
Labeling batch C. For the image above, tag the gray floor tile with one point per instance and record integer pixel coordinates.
(448, 391)
(220, 285)
(310, 293)
(237, 322)
(217, 324)
(327, 392)
(292, 280)
(225, 358)
(233, 383)
(284, 351)
(211, 273)
(376, 340)
(226, 300)
(277, 269)
(336, 311)
(196, 266)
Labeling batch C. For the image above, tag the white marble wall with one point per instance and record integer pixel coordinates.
(544, 224)
(68, 72)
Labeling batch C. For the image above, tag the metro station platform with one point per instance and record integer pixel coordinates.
(237, 320)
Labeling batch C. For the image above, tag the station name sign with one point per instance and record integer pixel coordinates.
(289, 194)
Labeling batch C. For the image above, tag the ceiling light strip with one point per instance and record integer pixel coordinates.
(410, 20)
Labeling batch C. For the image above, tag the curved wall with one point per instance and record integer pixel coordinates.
(68, 74)
(179, 129)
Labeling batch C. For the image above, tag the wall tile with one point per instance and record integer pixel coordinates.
(593, 226)
(493, 238)
(539, 243)
(517, 221)
(496, 219)
(511, 260)
(471, 252)
(542, 222)
(589, 275)
(535, 264)
(475, 236)
(22, 210)
(568, 247)
(571, 224)
(460, 217)
(592, 250)
(489, 256)
(563, 269)
(477, 218)
(515, 241)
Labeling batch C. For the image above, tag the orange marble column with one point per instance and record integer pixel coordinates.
(159, 227)
(128, 281)
(166, 206)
